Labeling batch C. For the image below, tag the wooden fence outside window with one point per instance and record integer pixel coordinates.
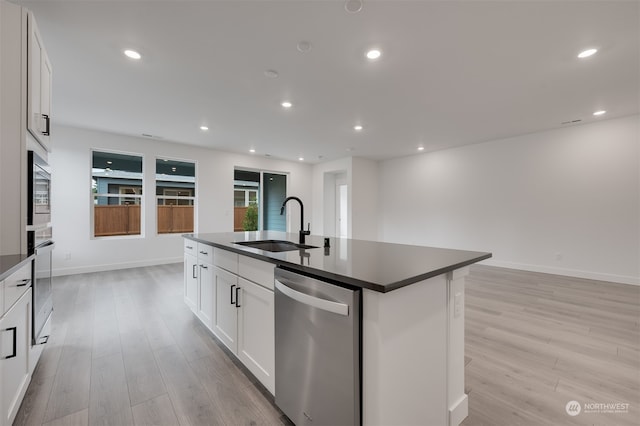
(175, 219)
(116, 220)
(113, 220)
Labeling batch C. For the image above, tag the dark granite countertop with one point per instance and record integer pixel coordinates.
(12, 262)
(373, 265)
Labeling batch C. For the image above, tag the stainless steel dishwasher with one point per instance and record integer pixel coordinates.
(317, 326)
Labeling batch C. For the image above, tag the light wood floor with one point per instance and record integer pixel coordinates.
(125, 349)
(537, 341)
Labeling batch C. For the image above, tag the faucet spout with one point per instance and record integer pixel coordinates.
(302, 233)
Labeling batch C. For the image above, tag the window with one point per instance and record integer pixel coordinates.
(257, 197)
(175, 195)
(243, 197)
(116, 184)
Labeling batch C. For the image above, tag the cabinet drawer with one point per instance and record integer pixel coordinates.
(226, 260)
(16, 285)
(205, 253)
(190, 247)
(258, 271)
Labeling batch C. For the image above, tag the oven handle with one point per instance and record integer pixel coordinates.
(45, 248)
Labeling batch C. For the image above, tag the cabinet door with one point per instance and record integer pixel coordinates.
(191, 273)
(256, 335)
(45, 95)
(206, 300)
(15, 327)
(15, 286)
(226, 315)
(39, 86)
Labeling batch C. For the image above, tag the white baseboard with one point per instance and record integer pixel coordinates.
(620, 279)
(459, 411)
(113, 266)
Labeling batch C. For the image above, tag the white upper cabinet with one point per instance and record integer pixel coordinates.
(38, 86)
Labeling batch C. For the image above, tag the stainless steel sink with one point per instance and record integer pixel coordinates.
(274, 245)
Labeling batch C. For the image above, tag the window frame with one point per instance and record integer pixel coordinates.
(93, 196)
(193, 197)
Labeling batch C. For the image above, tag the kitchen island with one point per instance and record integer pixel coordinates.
(412, 314)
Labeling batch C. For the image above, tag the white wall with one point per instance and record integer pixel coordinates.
(323, 201)
(363, 193)
(565, 201)
(362, 197)
(77, 252)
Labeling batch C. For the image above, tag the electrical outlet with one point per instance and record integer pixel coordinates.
(558, 256)
(457, 305)
(67, 256)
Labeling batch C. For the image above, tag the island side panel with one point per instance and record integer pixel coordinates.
(458, 403)
(404, 354)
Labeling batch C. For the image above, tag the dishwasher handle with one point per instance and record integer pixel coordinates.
(325, 305)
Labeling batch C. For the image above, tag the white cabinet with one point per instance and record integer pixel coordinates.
(207, 295)
(191, 274)
(245, 313)
(256, 332)
(199, 282)
(38, 86)
(15, 338)
(206, 304)
(233, 296)
(15, 285)
(226, 317)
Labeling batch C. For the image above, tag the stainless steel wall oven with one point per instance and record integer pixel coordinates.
(39, 242)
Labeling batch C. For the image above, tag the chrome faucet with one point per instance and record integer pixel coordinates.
(302, 231)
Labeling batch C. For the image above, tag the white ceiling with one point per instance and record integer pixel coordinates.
(451, 73)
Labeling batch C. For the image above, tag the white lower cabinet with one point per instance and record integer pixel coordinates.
(15, 339)
(234, 298)
(191, 284)
(245, 323)
(199, 283)
(256, 332)
(206, 298)
(226, 322)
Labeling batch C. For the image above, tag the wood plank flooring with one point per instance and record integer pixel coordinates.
(126, 350)
(535, 342)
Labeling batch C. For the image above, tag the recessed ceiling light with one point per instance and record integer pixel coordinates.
(374, 54)
(353, 6)
(421, 148)
(587, 53)
(286, 104)
(301, 158)
(204, 128)
(132, 54)
(601, 112)
(109, 162)
(304, 46)
(108, 169)
(252, 150)
(357, 127)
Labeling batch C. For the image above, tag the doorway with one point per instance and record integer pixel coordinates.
(274, 193)
(257, 197)
(342, 220)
